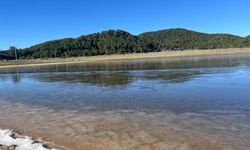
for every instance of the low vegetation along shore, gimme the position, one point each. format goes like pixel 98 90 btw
pixel 167 54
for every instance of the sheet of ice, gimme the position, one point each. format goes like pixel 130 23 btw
pixel 9 138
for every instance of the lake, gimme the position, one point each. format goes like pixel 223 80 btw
pixel 191 103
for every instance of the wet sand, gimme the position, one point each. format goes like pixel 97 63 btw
pixel 167 54
pixel 125 129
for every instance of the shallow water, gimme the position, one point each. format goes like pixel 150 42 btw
pixel 195 103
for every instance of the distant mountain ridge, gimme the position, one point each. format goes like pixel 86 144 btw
pixel 121 42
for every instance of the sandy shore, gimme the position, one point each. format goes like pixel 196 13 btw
pixel 168 54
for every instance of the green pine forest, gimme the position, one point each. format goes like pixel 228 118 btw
pixel 122 42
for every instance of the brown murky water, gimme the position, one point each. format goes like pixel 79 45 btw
pixel 155 104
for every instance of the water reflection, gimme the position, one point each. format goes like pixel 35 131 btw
pixel 141 64
pixel 16 78
pixel 115 78
pixel 93 78
pixel 111 73
pixel 120 78
pixel 176 76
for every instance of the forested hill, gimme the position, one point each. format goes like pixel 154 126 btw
pixel 121 42
pixel 180 39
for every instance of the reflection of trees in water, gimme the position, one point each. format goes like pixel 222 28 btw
pixel 101 79
pixel 180 75
pixel 118 78
pixel 16 78
pixel 176 76
pixel 110 78
pixel 156 64
pixel 141 64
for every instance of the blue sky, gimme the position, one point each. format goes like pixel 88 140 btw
pixel 27 22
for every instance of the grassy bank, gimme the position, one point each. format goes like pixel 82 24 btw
pixel 186 53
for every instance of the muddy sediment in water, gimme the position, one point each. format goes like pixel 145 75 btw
pixel 122 130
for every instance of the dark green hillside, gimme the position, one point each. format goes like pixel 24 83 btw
pixel 181 39
pixel 54 48
pixel 176 39
pixel 6 55
pixel 107 42
pixel 224 41
pixel 121 42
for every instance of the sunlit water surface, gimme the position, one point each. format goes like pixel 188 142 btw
pixel 196 103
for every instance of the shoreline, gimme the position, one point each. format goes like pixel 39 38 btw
pixel 10 140
pixel 164 54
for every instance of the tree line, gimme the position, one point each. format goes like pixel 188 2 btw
pixel 122 42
